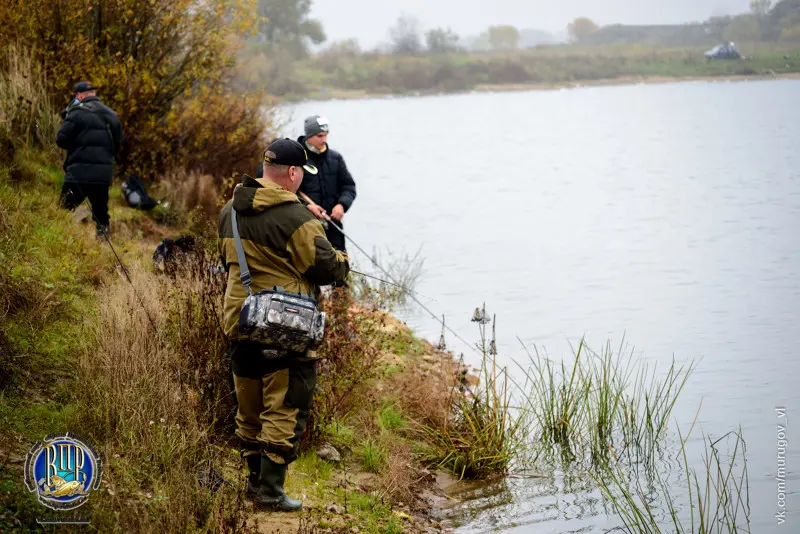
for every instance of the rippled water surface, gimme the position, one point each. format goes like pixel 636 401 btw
pixel 667 214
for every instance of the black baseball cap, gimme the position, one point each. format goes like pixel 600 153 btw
pixel 82 87
pixel 288 152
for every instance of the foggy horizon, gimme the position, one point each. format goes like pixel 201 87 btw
pixel 344 19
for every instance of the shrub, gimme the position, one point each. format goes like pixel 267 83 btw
pixel 190 194
pixel 351 362
pixel 163 66
pixel 481 432
pixel 197 336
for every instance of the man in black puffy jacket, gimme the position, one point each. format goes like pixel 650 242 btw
pixel 91 134
pixel 332 189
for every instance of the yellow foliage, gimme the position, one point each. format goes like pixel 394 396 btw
pixel 162 65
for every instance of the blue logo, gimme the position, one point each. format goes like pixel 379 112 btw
pixel 63 470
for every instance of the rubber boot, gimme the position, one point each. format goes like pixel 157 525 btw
pixel 270 492
pixel 253 472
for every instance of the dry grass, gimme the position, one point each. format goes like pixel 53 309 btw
pixel 27 117
pixel 191 190
pixel 190 200
pixel 424 394
pixel 148 417
pixel 399 479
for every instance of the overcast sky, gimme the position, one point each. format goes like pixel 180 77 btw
pixel 368 20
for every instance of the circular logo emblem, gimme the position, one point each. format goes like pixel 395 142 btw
pixel 63 470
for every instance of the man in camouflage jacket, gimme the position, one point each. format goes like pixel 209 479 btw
pixel 284 245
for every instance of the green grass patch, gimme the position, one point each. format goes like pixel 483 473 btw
pixel 340 434
pixel 34 420
pixel 48 290
pixel 403 343
pixel 373 455
pixel 372 514
pixel 390 418
pixel 310 464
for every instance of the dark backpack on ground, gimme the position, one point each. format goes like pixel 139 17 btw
pixel 171 252
pixel 135 194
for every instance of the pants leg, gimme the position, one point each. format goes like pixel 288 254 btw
pixel 248 424
pixel 273 410
pixel 98 197
pixel 288 396
pixel 72 195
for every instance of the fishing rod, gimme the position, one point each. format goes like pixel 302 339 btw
pixel 104 234
pixel 388 275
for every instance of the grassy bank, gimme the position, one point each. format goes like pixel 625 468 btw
pixel 80 354
pixel 327 76
pixel 132 358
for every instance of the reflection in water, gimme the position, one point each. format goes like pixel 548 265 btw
pixel 565 498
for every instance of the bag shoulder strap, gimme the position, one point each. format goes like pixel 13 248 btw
pixel 244 271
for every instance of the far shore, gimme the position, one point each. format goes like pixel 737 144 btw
pixel 343 94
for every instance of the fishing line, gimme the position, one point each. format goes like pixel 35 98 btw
pixel 392 284
pixel 390 277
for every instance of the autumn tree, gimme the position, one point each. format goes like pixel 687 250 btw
pixel 503 37
pixel 441 41
pixel 580 29
pixel 405 36
pixel 161 64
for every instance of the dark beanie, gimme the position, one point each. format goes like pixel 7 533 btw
pixel 315 124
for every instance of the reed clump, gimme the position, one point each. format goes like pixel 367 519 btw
pixel 601 402
pixel 482 432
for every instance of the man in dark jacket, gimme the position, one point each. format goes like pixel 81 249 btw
pixel 332 190
pixel 91 134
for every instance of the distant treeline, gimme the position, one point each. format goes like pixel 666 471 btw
pixel 331 76
pixel 279 59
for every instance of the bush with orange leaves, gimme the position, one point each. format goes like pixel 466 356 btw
pixel 163 65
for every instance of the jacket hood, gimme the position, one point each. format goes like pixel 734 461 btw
pixel 254 196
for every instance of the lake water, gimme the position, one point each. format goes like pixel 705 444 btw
pixel 664 214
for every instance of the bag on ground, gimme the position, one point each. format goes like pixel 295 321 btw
pixel 135 194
